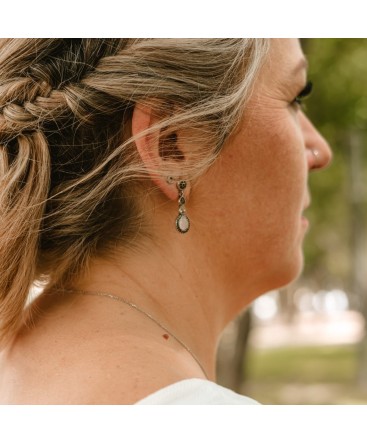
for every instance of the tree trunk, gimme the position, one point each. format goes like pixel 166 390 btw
pixel 232 353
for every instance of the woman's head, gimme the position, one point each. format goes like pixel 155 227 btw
pixel 72 181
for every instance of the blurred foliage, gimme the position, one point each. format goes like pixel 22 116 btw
pixel 303 375
pixel 338 68
pixel 305 364
pixel 338 108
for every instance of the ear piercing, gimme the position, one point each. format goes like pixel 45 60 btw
pixel 170 179
pixel 182 221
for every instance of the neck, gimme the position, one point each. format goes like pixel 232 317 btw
pixel 174 291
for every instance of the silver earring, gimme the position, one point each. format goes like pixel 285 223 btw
pixel 182 221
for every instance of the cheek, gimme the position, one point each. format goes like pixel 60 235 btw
pixel 271 168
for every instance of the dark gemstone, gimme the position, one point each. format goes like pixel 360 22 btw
pixel 182 200
pixel 182 185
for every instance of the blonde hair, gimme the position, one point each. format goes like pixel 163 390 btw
pixel 69 168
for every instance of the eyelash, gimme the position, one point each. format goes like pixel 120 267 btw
pixel 298 101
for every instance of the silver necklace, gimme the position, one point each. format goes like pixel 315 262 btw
pixel 140 310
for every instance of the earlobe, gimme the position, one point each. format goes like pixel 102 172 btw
pixel 155 149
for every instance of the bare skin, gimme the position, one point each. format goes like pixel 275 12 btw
pixel 246 238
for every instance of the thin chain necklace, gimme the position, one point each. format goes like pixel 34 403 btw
pixel 140 310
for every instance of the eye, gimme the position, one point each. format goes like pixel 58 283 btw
pixel 298 101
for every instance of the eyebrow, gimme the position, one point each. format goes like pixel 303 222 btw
pixel 302 64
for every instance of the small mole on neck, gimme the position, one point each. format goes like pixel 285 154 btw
pixel 165 336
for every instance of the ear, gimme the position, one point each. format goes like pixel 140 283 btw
pixel 156 151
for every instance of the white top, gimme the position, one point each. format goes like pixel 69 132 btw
pixel 196 391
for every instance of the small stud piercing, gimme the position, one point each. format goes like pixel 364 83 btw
pixel 170 179
pixel 316 154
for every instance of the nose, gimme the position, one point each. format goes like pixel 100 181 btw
pixel 318 151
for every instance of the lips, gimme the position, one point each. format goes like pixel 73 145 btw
pixel 304 220
pixel 307 203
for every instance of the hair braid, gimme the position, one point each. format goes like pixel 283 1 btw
pixel 36 108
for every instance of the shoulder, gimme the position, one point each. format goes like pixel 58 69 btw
pixel 129 376
pixel 86 370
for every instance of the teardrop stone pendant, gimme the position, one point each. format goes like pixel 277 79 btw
pixel 182 223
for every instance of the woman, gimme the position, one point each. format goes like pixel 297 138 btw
pixel 156 187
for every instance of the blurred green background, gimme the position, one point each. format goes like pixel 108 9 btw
pixel 306 344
